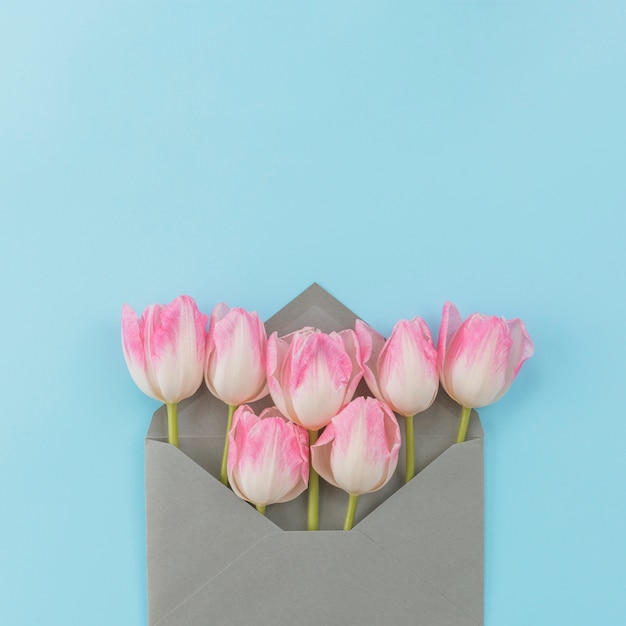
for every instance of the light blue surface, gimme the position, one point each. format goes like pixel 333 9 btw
pixel 400 154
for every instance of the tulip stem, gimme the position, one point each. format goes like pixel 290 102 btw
pixel 260 508
pixel 172 423
pixel 409 447
pixel 465 415
pixel 313 522
pixel 352 501
pixel 224 468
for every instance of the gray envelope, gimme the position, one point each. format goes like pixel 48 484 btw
pixel 415 553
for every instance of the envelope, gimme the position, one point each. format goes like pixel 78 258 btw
pixel 415 553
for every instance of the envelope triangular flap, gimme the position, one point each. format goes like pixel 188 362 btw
pixel 313 307
pixel 194 527
pixel 434 526
pixel 317 578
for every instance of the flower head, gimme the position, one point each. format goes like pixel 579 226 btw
pixel 312 375
pixel 358 450
pixel 164 349
pixel 401 371
pixel 479 358
pixel 268 457
pixel 236 352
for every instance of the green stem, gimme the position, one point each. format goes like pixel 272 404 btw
pixel 409 447
pixel 224 468
pixel 313 521
pixel 352 500
pixel 261 509
pixel 465 415
pixel 172 423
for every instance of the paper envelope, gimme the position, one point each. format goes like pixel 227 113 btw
pixel 415 553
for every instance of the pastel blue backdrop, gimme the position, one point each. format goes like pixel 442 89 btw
pixel 400 154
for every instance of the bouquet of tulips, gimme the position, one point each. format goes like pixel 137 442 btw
pixel 316 426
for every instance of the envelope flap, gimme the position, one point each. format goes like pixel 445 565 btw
pixel 421 526
pixel 313 307
pixel 195 527
pixel 317 578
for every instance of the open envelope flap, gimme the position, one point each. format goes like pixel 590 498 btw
pixel 195 527
pixel 434 526
pixel 306 578
pixel 313 307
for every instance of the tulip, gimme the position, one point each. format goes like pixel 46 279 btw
pixel 479 358
pixel 268 457
pixel 311 376
pixel 236 348
pixel 164 352
pixel 358 450
pixel 235 363
pixel 401 371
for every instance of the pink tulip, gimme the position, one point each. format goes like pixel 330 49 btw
pixel 479 358
pixel 312 375
pixel 358 450
pixel 236 350
pixel 268 457
pixel 164 350
pixel 401 371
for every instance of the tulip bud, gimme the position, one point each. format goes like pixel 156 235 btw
pixel 268 457
pixel 401 371
pixel 164 349
pixel 358 450
pixel 479 358
pixel 236 352
pixel 312 375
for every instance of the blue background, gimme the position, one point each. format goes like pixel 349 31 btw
pixel 400 154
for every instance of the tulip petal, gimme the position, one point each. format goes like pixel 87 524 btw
pixel 523 347
pixel 177 345
pixel 371 343
pixel 219 312
pixel 149 322
pixel 238 427
pixel 521 350
pixel 301 437
pixel 133 348
pixel 260 476
pixel 320 455
pixel 450 322
pixel 351 345
pixel 358 466
pixel 277 352
pixel 394 441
